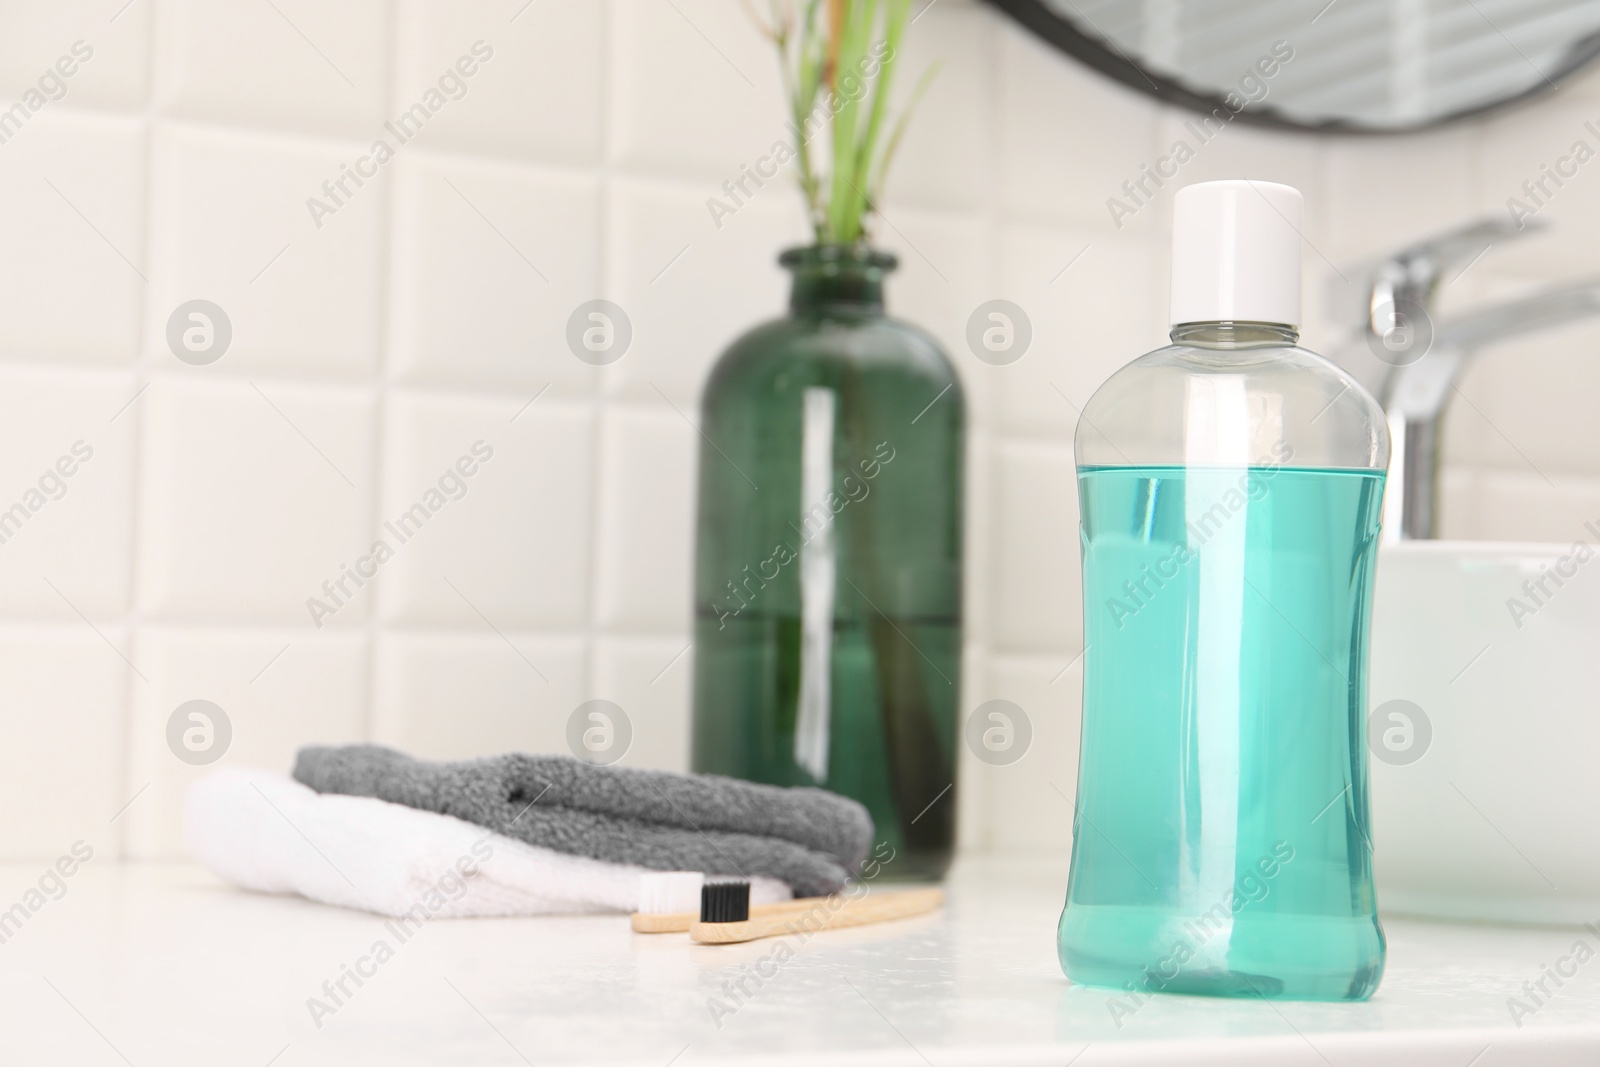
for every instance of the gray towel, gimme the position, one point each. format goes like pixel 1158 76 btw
pixel 809 838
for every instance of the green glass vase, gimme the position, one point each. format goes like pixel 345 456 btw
pixel 828 559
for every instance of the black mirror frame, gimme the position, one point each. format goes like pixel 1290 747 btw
pixel 1105 57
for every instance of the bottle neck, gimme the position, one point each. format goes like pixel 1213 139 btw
pixel 841 278
pixel 1232 335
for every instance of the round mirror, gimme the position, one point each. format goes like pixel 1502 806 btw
pixel 1356 65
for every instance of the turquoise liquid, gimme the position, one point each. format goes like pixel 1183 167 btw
pixel 1222 843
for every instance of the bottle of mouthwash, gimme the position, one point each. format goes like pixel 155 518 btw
pixel 1230 489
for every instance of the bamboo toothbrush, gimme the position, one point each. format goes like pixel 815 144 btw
pixel 726 917
pixel 669 902
pixel 664 897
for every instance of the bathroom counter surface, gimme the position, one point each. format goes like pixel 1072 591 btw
pixel 145 964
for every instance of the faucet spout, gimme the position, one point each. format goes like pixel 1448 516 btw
pixel 1403 291
pixel 1404 288
pixel 1555 306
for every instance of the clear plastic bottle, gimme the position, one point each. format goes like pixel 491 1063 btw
pixel 1230 488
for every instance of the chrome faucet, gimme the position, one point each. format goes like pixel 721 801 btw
pixel 1424 357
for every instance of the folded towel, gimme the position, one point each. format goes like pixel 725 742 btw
pixel 265 832
pixel 809 838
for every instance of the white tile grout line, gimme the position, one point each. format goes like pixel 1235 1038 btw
pixel 142 366
pixel 604 278
pixel 278 632
pixel 980 532
pixel 383 377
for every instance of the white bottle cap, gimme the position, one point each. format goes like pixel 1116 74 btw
pixel 1236 253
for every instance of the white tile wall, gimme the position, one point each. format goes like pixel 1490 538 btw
pixel 74 186
pixel 694 90
pixel 67 458
pixel 251 496
pixel 1031 801
pixel 1065 277
pixel 667 254
pixel 113 60
pixel 539 94
pixel 646 521
pixel 67 738
pixel 280 688
pixel 650 678
pixel 476 690
pixel 1069 138
pixel 373 346
pixel 294 64
pixel 512 541
pixel 229 224
pixel 1033 569
pixel 488 259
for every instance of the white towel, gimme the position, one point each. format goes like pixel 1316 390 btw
pixel 267 832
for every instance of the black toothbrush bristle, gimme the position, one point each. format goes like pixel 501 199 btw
pixel 725 902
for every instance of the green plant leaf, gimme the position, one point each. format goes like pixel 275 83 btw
pixel 893 31
pixel 875 188
pixel 844 216
pixel 823 61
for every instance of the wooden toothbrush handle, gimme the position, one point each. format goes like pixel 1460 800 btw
pixel 825 913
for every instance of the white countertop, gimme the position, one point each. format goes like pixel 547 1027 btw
pixel 163 965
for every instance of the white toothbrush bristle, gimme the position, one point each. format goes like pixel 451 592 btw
pixel 670 892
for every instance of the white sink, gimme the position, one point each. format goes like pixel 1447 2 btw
pixel 1497 814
